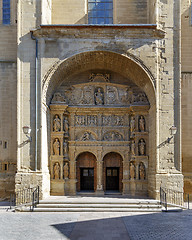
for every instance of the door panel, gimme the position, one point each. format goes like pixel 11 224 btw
pixel 112 178
pixel 87 178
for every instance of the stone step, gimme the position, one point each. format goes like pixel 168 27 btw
pixel 91 209
pixel 96 205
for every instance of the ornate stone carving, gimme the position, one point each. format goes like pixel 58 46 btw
pixel 66 126
pixel 66 170
pixel 88 95
pixel 99 96
pixel 56 147
pixel 111 95
pixel 99 77
pixel 113 136
pixel 87 136
pixel 141 124
pixel 86 120
pixel 65 149
pixel 141 98
pixel 56 171
pixel 132 170
pixel 141 147
pixel 132 124
pixel 133 147
pixel 112 120
pixel 56 124
pixel 58 98
pixel 141 171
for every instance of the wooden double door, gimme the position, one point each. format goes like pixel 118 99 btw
pixel 87 179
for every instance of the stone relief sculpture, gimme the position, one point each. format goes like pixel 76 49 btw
pixel 56 147
pixel 133 147
pixel 132 124
pixel 56 124
pixel 58 98
pixel 142 98
pixel 66 126
pixel 112 95
pixel 112 120
pixel 87 97
pixel 132 170
pixel 99 77
pixel 141 147
pixel 86 120
pixel 66 170
pixel 141 171
pixel 113 136
pixel 87 136
pixel 56 171
pixel 99 96
pixel 65 149
pixel 141 124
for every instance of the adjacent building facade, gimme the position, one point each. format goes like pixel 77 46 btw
pixel 100 83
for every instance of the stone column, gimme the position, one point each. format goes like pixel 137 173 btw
pixel 99 190
pixel 125 180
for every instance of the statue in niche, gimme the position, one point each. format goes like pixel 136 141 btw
pixel 111 95
pixel 99 97
pixel 142 124
pixel 56 171
pixel 66 170
pixel 57 124
pixel 141 147
pixel 56 147
pixel 57 97
pixel 66 126
pixel 133 147
pixel 132 124
pixel 141 171
pixel 65 149
pixel 132 171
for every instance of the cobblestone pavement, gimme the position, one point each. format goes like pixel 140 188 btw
pixel 92 226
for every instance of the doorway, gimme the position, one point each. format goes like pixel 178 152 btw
pixel 112 178
pixel 87 179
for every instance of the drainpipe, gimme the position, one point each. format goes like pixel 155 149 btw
pixel 36 98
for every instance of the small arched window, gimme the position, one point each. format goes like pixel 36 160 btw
pixel 6 12
pixel 100 11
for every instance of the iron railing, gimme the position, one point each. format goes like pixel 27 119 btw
pixel 27 196
pixel 173 198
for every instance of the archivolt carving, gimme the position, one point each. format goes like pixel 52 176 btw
pixel 113 136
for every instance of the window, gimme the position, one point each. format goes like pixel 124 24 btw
pixel 100 11
pixel 6 12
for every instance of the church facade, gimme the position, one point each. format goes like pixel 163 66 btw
pixel 94 95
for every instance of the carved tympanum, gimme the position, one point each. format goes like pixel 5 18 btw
pixel 113 136
pixel 58 98
pixel 56 171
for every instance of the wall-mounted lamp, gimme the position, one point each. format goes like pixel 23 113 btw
pixel 27 131
pixel 172 131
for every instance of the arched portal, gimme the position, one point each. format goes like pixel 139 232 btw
pixel 106 102
pixel 113 172
pixel 86 172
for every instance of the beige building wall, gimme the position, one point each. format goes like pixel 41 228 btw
pixel 124 12
pixel 8 106
pixel 186 60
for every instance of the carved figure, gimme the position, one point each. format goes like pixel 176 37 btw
pixel 141 147
pixel 56 171
pixel 111 95
pixel 132 171
pixel 86 136
pixel 56 147
pixel 141 124
pixel 113 136
pixel 141 171
pixel 56 124
pixel 58 98
pixel 65 149
pixel 99 97
pixel 66 126
pixel 130 95
pixel 66 170
pixel 132 124
pixel 133 147
pixel 142 97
